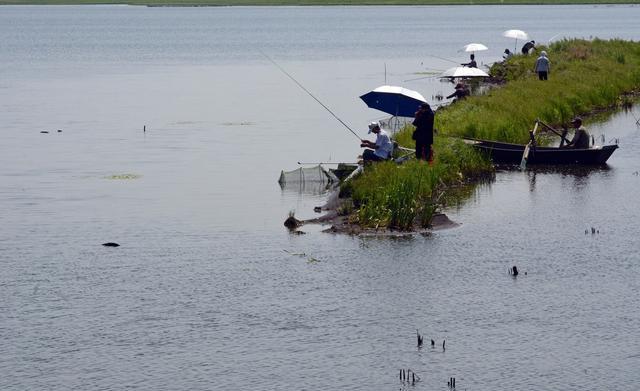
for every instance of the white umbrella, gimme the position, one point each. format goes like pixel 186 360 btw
pixel 474 47
pixel 517 34
pixel 464 72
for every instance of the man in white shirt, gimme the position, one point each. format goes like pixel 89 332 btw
pixel 381 149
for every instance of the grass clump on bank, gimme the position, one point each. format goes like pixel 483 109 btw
pixel 586 76
pixel 400 196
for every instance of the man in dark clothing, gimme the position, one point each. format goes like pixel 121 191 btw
pixel 459 93
pixel 527 47
pixel 472 63
pixel 580 138
pixel 423 135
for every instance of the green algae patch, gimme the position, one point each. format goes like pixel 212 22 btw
pixel 123 177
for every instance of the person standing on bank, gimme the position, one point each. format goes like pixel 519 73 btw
pixel 423 135
pixel 528 47
pixel 381 149
pixel 580 138
pixel 543 66
pixel 472 63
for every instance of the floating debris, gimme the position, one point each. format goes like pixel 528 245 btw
pixel 44 131
pixel 513 271
pixel 111 244
pixel 296 254
pixel 420 339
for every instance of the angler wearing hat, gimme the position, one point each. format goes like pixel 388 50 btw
pixel 543 66
pixel 381 149
pixel 580 138
pixel 423 135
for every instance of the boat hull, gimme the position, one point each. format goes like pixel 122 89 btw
pixel 505 153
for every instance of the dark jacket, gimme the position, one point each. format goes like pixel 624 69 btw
pixel 424 126
pixel 526 48
pixel 580 139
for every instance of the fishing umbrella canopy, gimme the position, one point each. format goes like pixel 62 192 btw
pixel 474 47
pixel 397 101
pixel 464 72
pixel 517 34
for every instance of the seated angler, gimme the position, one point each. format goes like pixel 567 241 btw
pixel 461 91
pixel 381 149
pixel 580 138
pixel 472 63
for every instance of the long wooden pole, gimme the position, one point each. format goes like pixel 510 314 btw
pixel 525 155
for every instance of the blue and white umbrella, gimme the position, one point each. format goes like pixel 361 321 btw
pixel 397 101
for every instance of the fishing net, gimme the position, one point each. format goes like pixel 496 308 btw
pixel 394 124
pixel 317 174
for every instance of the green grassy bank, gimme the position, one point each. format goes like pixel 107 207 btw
pixel 586 76
pixel 187 3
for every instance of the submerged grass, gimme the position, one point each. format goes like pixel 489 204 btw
pixel 586 76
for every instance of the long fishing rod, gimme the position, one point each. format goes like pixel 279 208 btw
pixel 421 78
pixel 314 163
pixel 310 94
pixel 442 58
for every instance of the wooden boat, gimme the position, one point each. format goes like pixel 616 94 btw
pixel 505 153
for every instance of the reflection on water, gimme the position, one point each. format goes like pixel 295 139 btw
pixel 579 174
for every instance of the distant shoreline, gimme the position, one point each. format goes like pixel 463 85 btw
pixel 231 3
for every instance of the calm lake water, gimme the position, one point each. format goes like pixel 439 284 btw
pixel 208 290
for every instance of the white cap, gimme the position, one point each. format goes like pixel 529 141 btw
pixel 543 53
pixel 373 125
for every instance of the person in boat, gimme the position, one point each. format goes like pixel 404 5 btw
pixel 379 150
pixel 543 66
pixel 507 54
pixel 459 93
pixel 472 63
pixel 423 135
pixel 528 47
pixel 580 138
